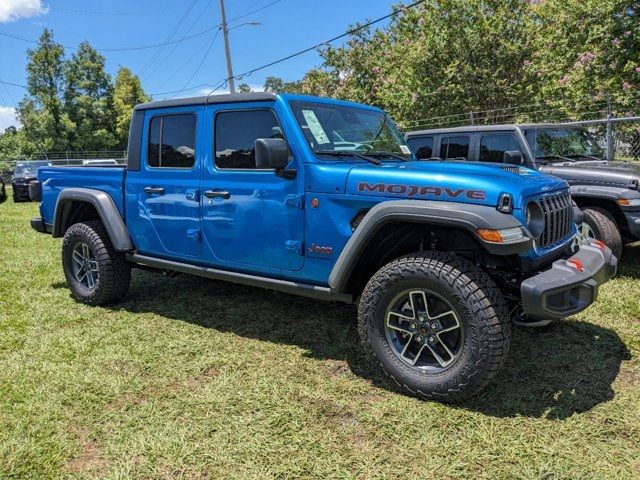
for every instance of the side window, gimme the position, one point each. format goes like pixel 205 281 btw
pixel 455 147
pixel 422 147
pixel 492 147
pixel 172 141
pixel 236 134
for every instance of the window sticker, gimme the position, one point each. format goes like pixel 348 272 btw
pixel 315 127
pixel 405 149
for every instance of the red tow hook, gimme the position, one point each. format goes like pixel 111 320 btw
pixel 599 244
pixel 577 264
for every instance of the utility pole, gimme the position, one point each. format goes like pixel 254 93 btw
pixel 225 32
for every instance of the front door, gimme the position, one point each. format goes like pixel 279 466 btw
pixel 250 217
pixel 163 204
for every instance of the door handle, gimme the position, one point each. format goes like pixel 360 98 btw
pixel 217 194
pixel 150 190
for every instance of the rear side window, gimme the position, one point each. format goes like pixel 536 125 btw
pixel 455 147
pixel 422 147
pixel 172 141
pixel 236 134
pixel 492 147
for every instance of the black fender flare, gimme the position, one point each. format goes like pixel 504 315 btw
pixel 467 217
pixel 105 207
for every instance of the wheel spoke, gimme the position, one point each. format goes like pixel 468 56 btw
pixel 437 317
pixel 77 257
pixel 82 277
pixel 397 326
pixel 443 363
pixel 90 280
pixel 85 251
pixel 93 266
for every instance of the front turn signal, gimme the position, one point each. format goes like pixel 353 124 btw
pixel 504 236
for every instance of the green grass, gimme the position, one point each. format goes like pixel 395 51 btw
pixel 190 378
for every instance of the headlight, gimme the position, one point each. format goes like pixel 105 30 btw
pixel 504 236
pixel 629 202
pixel 534 218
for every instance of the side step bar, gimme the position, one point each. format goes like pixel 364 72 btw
pixel 302 289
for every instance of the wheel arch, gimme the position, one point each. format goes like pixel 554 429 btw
pixel 79 204
pixel 395 228
pixel 607 203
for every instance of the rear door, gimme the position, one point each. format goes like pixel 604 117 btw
pixel 163 201
pixel 492 146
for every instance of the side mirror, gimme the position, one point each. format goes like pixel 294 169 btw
pixel 513 157
pixel 271 153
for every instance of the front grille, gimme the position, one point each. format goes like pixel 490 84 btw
pixel 558 218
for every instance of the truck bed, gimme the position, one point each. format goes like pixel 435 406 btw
pixel 108 178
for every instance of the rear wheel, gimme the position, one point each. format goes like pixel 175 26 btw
pixel 95 272
pixel 600 224
pixel 436 325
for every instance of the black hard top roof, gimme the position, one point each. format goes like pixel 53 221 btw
pixel 210 100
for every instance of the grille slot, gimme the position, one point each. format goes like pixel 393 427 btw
pixel 558 217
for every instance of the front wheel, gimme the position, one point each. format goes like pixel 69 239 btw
pixel 600 224
pixel 435 324
pixel 95 272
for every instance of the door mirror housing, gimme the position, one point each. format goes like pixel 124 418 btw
pixel 271 153
pixel 513 157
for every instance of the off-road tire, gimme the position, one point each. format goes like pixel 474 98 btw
pixel 114 274
pixel 604 228
pixel 475 298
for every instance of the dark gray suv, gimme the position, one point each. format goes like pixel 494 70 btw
pixel 607 192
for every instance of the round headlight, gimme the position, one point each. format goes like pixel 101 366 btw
pixel 534 217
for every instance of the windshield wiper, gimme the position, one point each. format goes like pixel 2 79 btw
pixel 558 157
pixel 591 157
pixel 349 153
pixel 389 154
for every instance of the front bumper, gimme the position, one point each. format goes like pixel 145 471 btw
pixel 570 285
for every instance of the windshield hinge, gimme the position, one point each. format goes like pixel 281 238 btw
pixel 294 201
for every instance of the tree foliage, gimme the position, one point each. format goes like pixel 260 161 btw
pixel 72 103
pixel 449 56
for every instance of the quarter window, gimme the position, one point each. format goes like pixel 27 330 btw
pixel 492 147
pixel 422 147
pixel 236 134
pixel 172 141
pixel 455 147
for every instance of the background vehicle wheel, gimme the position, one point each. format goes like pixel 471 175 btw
pixel 603 227
pixel 435 324
pixel 95 272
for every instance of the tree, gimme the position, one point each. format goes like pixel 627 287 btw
pixel 244 88
pixel 15 145
pixel 88 99
pixel 46 125
pixel 128 93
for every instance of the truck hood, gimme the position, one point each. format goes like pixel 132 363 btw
pixel 619 174
pixel 466 182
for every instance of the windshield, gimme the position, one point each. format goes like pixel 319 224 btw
pixel 26 170
pixel 332 128
pixel 570 142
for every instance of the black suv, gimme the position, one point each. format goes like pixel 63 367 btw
pixel 24 173
pixel 607 192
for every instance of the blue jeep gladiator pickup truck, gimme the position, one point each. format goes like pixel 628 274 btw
pixel 320 197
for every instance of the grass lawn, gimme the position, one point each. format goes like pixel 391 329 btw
pixel 190 378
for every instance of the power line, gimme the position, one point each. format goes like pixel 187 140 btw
pixel 120 49
pixel 105 12
pixel 253 11
pixel 326 42
pixel 4 85
pixel 201 62
pixel 13 84
pixel 155 55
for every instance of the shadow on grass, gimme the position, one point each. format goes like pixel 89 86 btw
pixel 553 372
pixel 630 264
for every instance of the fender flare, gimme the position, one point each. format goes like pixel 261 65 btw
pixel 601 192
pixel 449 214
pixel 105 207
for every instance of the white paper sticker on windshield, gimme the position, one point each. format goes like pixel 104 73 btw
pixel 315 127
pixel 405 149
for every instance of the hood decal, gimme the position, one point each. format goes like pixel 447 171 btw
pixel 420 191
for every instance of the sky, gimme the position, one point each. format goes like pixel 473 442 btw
pixel 285 26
